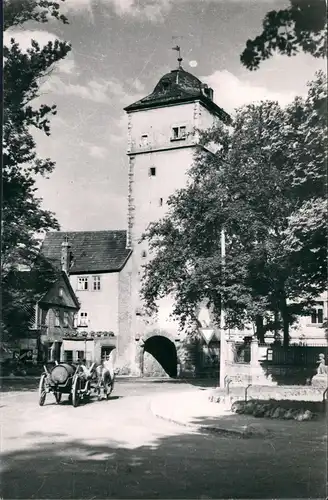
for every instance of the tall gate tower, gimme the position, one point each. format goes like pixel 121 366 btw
pixel 162 136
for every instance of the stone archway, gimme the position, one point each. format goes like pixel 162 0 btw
pixel 159 356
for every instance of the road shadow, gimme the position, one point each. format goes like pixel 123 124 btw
pixel 185 465
pixel 291 430
pixel 199 382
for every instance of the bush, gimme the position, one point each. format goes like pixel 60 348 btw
pixel 271 409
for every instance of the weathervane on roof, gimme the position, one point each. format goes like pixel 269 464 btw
pixel 177 48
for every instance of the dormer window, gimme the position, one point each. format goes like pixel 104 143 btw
pixel 178 133
pixel 61 292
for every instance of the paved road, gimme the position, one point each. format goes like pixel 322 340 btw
pixel 118 449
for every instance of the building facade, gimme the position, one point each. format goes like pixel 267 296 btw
pixel 99 270
pixel 105 267
pixel 163 132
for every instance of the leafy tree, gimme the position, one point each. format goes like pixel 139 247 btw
pixel 23 218
pixel 302 26
pixel 255 185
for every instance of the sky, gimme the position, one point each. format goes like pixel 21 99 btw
pixel 120 49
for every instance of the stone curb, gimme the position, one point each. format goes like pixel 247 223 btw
pixel 214 429
pixel 117 377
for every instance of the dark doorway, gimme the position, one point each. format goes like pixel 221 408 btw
pixel 105 352
pixel 164 352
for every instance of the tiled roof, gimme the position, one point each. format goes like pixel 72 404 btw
pixel 176 87
pixel 92 251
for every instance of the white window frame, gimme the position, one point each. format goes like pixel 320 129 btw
pixel 83 283
pixel 319 306
pixel 177 134
pixel 84 319
pixel 57 317
pixel 66 319
pixel 75 320
pixel 96 283
pixel 144 140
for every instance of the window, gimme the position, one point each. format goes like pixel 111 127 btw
pixel 144 254
pixel 68 356
pixel 178 133
pixel 57 317
pixel 80 355
pixel 144 140
pixel 152 171
pixel 82 283
pixel 75 320
pixel 83 319
pixel 317 313
pixel 161 202
pixel 96 282
pixel 49 353
pixel 61 292
pixel 66 319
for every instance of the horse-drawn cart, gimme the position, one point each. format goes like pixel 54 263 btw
pixel 75 381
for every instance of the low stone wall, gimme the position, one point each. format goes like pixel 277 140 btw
pixel 295 393
pixel 242 374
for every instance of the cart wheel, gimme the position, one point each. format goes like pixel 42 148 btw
pixel 58 396
pixel 42 390
pixel 76 392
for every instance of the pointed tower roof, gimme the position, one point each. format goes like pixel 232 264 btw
pixel 177 87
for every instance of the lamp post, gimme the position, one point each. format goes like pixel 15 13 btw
pixel 222 318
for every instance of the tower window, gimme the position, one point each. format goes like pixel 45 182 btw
pixel 161 202
pixel 144 140
pixel 152 171
pixel 144 254
pixel 178 133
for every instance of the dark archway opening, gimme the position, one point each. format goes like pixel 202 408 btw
pixel 165 353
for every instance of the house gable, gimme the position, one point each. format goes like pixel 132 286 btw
pixel 61 294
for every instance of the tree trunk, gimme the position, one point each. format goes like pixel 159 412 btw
pixel 285 321
pixel 260 331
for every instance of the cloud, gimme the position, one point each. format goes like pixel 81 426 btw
pixel 96 151
pixel 230 92
pixel 93 91
pixel 152 10
pixel 24 37
pixel 99 91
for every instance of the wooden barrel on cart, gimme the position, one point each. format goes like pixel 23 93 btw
pixel 61 373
